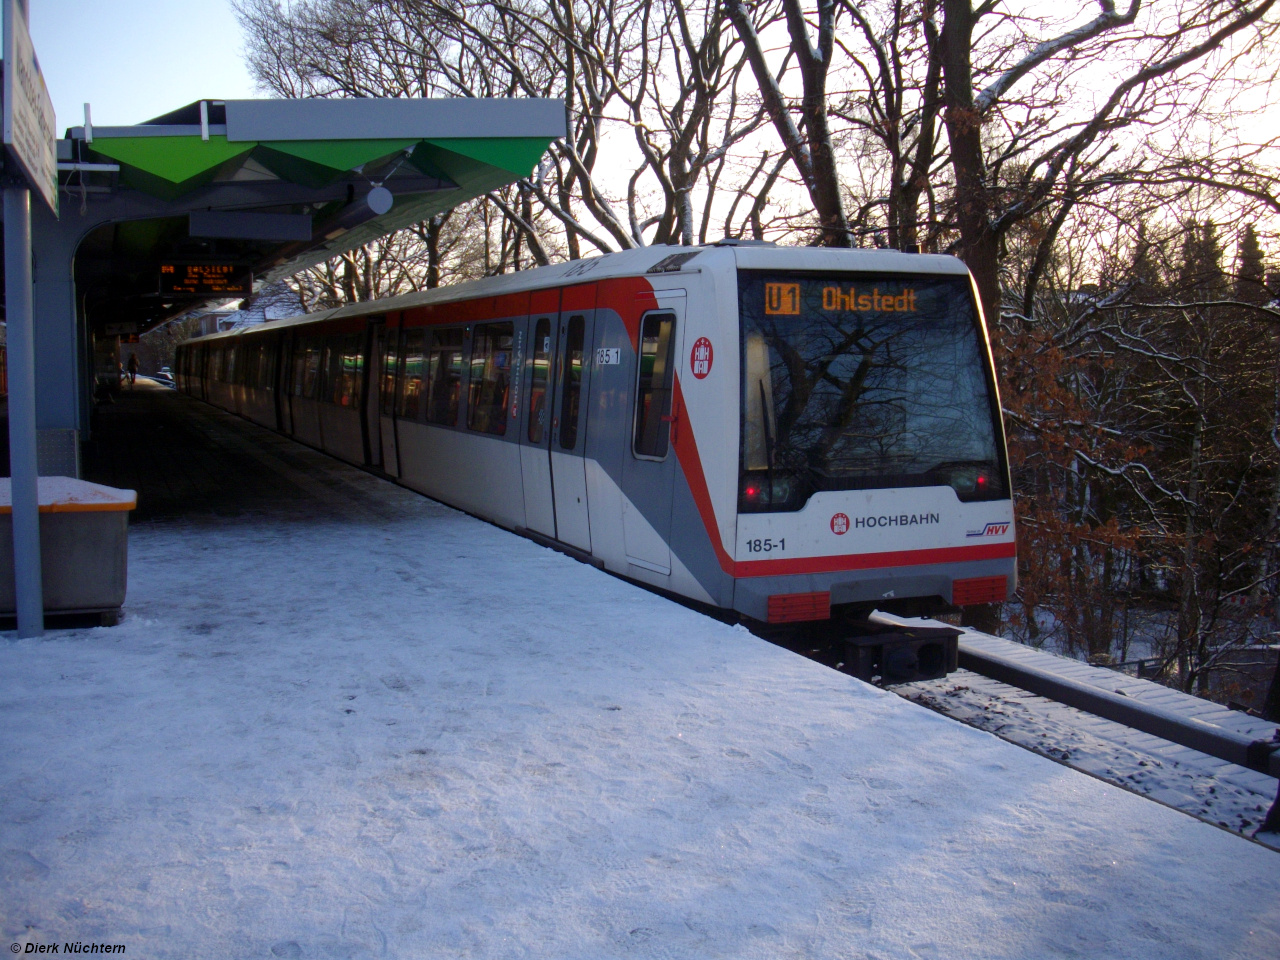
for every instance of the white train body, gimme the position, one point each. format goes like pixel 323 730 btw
pixel 775 431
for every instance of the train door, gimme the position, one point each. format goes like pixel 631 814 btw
pixel 535 455
pixel 553 464
pixel 370 392
pixel 649 467
pixel 569 428
pixel 391 366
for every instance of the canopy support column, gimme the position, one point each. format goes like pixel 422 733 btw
pixel 21 359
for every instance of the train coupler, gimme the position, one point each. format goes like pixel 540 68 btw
pixel 888 654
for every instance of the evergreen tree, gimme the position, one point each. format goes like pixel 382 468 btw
pixel 1250 268
pixel 1144 272
pixel 1202 276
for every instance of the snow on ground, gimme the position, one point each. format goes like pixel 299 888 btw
pixel 1222 793
pixel 389 729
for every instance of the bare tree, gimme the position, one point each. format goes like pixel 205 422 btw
pixel 807 143
pixel 664 71
pixel 1017 83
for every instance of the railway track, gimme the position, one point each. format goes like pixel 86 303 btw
pixel 1227 795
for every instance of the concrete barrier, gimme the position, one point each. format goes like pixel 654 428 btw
pixel 84 538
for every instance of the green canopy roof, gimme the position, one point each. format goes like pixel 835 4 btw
pixel 170 166
pixel 275 186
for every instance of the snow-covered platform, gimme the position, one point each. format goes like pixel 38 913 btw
pixel 344 721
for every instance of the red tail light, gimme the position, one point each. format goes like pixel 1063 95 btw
pixel 794 607
pixel 979 590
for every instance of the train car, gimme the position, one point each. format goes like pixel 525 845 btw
pixel 785 433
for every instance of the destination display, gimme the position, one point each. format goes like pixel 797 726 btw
pixel 785 299
pixel 859 382
pixel 205 280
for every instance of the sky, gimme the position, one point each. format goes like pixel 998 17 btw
pixel 137 59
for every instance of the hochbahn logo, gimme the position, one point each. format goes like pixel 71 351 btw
pixel 841 524
pixel 990 530
pixel 700 358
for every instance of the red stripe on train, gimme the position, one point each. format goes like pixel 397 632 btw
pixel 870 561
pixel 687 453
pixel 629 297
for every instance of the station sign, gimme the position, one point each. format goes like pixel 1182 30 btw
pixel 30 130
pixel 205 280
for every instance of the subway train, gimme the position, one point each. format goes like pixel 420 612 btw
pixel 785 434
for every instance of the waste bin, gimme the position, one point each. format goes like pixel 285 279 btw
pixel 84 540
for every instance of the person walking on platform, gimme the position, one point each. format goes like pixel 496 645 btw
pixel 133 369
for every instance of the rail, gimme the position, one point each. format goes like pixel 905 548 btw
pixel 1262 755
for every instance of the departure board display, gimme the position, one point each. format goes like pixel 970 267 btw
pixel 205 280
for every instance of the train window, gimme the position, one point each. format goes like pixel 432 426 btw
pixel 857 382
pixel 443 376
pixel 571 380
pixel 653 389
pixel 314 374
pixel 351 366
pixel 387 394
pixel 327 376
pixel 491 346
pixel 252 359
pixel 333 371
pixel 538 380
pixel 267 367
pixel 341 368
pixel 307 371
pixel 411 377
pixel 285 350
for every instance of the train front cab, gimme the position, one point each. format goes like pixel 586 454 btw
pixel 872 470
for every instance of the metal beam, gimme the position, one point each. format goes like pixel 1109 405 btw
pixel 243 225
pixel 1260 755
pixel 368 119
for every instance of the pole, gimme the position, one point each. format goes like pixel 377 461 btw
pixel 22 410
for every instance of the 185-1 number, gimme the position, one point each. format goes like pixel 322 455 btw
pixel 766 546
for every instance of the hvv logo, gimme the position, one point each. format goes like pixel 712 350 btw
pixel 990 530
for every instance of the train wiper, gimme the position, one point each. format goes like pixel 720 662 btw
pixel 768 436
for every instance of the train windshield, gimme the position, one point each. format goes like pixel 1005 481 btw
pixel 859 382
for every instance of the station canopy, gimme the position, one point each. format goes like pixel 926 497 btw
pixel 265 188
